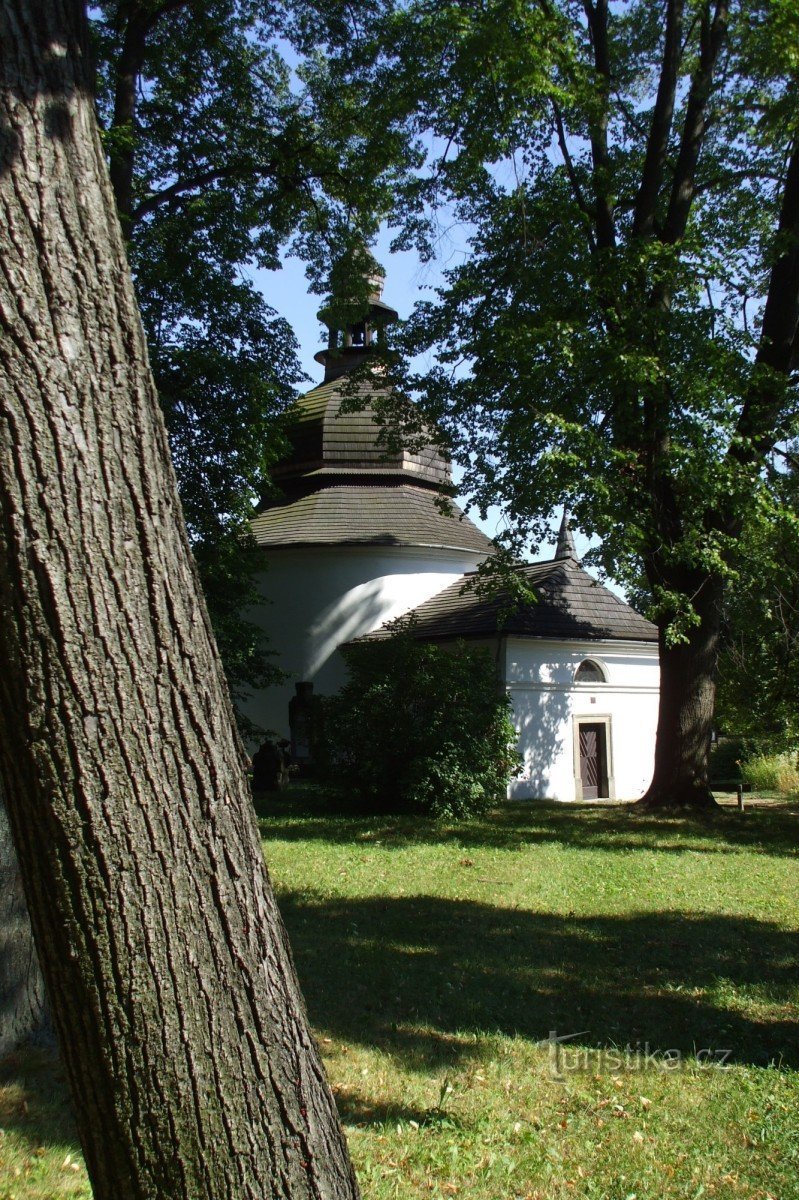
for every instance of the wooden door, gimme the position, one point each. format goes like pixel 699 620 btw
pixel 593 774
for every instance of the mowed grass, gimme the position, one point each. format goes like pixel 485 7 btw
pixel 437 961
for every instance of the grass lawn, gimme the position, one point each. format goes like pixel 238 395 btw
pixel 437 960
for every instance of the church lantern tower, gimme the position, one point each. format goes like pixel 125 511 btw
pixel 356 324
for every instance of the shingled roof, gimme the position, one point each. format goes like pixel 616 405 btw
pixel 339 485
pixel 571 606
pixel 328 442
pixel 352 514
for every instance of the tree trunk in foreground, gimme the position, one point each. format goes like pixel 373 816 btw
pixel 24 1012
pixel 175 1001
pixel 685 713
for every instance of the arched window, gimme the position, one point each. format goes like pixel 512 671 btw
pixel 589 672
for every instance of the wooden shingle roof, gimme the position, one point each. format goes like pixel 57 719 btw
pixel 352 514
pixel 571 606
pixel 341 488
pixel 326 441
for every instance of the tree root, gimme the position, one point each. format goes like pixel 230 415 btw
pixel 681 798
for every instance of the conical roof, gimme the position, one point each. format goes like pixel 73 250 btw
pixel 368 515
pixel 341 487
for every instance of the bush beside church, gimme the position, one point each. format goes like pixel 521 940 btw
pixel 420 727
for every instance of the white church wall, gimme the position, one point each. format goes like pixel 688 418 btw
pixel 316 598
pixel 547 706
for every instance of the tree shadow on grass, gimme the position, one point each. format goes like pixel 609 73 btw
pixel 416 976
pixel 309 815
pixel 34 1100
pixel 355 1109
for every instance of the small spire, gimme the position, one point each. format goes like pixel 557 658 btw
pixel 355 312
pixel 566 547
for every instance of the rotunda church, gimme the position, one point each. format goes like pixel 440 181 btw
pixel 357 537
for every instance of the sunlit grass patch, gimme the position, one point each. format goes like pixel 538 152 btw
pixel 439 962
pixel 437 959
pixel 39 1155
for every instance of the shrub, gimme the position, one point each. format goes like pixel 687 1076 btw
pixel 773 773
pixel 421 727
pixel 725 760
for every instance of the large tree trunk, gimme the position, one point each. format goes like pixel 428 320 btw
pixel 177 1009
pixel 24 1012
pixel 687 704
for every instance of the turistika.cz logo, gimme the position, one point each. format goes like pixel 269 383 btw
pixel 565 1059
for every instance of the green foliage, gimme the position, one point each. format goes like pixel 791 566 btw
pixel 758 695
pixel 773 773
pixel 605 341
pixel 725 760
pixel 421 727
pixel 621 332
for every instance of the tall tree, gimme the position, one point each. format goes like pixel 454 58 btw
pixel 220 154
pixel 622 335
pixel 175 1000
pixel 193 103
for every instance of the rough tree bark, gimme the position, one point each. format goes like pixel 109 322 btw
pixel 174 997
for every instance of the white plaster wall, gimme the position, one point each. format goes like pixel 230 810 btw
pixel 540 675
pixel 318 597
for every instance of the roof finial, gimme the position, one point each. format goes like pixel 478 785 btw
pixel 566 547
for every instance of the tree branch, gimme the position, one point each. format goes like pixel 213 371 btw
pixel 660 130
pixel 778 351
pixel 140 19
pixel 242 168
pixel 711 40
pixel 568 163
pixel 597 15
pixel 191 184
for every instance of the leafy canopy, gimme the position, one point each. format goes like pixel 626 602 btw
pixel 759 662
pixel 621 335
pixel 231 137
